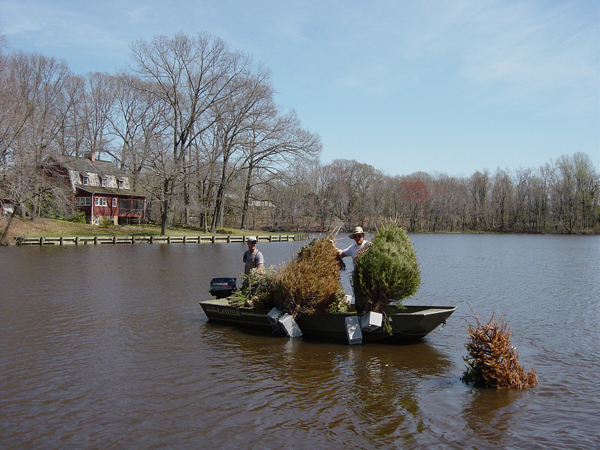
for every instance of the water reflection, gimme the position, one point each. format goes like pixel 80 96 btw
pixel 487 414
pixel 368 388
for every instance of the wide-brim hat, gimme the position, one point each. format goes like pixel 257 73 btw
pixel 356 232
pixel 251 239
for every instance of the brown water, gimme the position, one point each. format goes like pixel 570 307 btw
pixel 107 347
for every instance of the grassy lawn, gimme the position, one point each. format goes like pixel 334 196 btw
pixel 57 228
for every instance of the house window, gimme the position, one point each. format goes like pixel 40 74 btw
pixel 85 180
pixel 103 182
pixel 100 201
pixel 121 184
pixel 114 202
pixel 82 201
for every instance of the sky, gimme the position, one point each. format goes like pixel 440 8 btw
pixel 435 86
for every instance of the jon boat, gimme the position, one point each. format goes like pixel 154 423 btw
pixel 409 323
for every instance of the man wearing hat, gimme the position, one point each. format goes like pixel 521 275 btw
pixel 359 242
pixel 253 259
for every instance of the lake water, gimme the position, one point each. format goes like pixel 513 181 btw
pixel 107 347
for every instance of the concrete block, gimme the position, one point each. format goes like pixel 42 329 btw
pixel 274 316
pixel 353 330
pixel 290 326
pixel 371 321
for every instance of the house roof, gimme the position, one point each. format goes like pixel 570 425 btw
pixel 84 166
pixel 79 164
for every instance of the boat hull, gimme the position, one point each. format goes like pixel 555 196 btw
pixel 407 324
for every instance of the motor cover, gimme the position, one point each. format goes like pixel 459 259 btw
pixel 222 287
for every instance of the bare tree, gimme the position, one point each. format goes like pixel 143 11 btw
pixel 232 128
pixel 501 200
pixel 189 76
pixel 479 184
pixel 38 85
pixel 33 87
pixel 278 143
pixel 137 123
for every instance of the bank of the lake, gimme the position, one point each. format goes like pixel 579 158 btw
pixel 61 232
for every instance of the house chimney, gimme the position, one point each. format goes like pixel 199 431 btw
pixel 91 156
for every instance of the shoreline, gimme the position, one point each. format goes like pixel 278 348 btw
pixel 131 240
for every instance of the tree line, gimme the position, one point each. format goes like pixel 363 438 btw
pixel 196 127
pixel 561 196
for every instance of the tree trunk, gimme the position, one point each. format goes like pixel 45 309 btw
pixel 167 207
pixel 246 205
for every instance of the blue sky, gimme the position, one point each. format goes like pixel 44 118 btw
pixel 405 86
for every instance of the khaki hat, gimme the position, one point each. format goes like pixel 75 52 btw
pixel 251 239
pixel 357 231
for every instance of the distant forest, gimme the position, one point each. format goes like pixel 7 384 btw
pixel 559 197
pixel 197 128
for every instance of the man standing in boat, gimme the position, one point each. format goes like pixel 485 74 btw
pixel 253 259
pixel 359 242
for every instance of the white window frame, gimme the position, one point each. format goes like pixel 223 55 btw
pixel 114 202
pixel 83 201
pixel 100 201
pixel 85 180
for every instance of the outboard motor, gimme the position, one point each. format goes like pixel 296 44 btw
pixel 222 287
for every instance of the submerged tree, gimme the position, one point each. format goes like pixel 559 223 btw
pixel 493 360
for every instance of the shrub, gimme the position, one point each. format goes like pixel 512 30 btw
pixel 386 270
pixel 493 361
pixel 106 223
pixel 77 217
pixel 257 290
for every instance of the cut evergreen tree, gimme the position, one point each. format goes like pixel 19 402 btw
pixel 386 270
pixel 311 282
pixel 308 284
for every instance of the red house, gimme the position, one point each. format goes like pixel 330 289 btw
pixel 101 190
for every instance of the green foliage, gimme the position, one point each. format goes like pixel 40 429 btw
pixel 386 271
pixel 257 290
pixel 106 223
pixel 77 217
pixel 340 305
